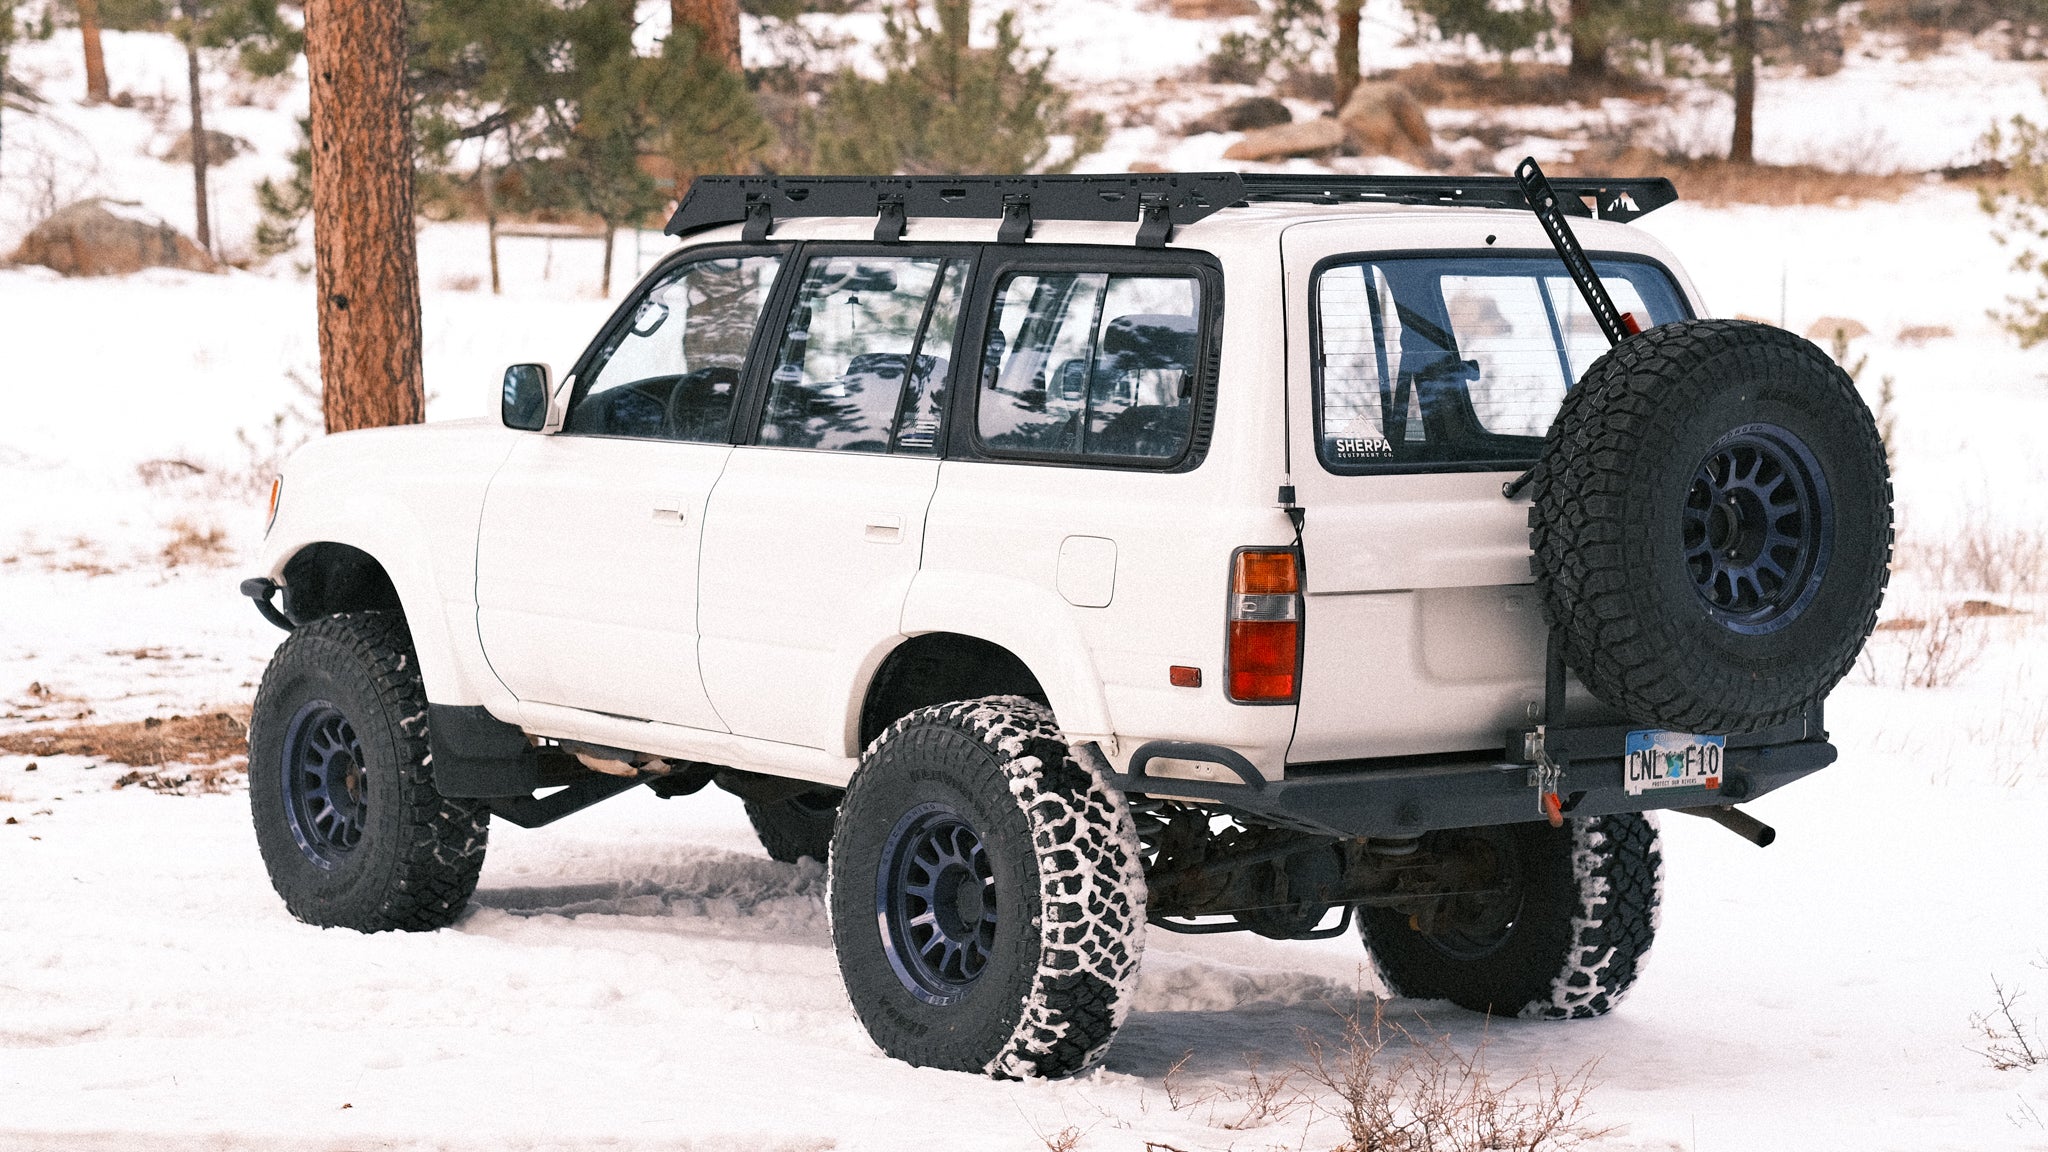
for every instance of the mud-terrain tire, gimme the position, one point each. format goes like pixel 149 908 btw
pixel 341 784
pixel 1564 942
pixel 987 898
pixel 796 826
pixel 1712 526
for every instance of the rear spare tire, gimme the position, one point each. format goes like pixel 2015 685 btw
pixel 1712 526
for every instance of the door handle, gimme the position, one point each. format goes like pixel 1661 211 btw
pixel 884 530
pixel 671 511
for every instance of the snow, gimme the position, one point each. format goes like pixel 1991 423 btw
pixel 641 975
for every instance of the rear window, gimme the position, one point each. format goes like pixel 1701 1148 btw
pixel 1459 363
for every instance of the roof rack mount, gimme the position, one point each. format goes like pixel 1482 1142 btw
pixel 1158 202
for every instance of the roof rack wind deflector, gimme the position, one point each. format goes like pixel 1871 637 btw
pixel 1159 203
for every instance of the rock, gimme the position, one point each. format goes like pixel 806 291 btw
pixel 1307 138
pixel 1917 334
pixel 1212 9
pixel 1243 116
pixel 220 148
pixel 109 238
pixel 1382 119
pixel 1825 329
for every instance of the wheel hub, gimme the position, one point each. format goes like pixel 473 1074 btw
pixel 326 789
pixel 935 898
pixel 1757 528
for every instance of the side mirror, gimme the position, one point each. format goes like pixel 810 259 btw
pixel 524 404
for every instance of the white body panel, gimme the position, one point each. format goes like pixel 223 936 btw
pixel 731 605
pixel 587 574
pixel 807 559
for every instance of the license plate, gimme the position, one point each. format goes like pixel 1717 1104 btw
pixel 1655 759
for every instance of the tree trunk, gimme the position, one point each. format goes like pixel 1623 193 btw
pixel 489 179
pixel 95 61
pixel 1742 148
pixel 611 231
pixel 366 263
pixel 1347 48
pixel 1588 42
pixel 204 232
pixel 717 24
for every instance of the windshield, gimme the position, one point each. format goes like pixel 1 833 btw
pixel 1459 363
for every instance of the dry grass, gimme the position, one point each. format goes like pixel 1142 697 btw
pixel 1932 650
pixel 1395 1091
pixel 192 544
pixel 1392 1088
pixel 1475 85
pixel 1717 183
pixel 209 741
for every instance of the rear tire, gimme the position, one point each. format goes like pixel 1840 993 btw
pixel 797 826
pixel 341 783
pixel 987 899
pixel 1564 941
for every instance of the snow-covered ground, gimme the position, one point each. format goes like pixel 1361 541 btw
pixel 641 975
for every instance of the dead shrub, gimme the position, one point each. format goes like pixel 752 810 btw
pixel 166 471
pixel 191 544
pixel 1933 651
pixel 2007 1041
pixel 1395 1091
pixel 218 778
pixel 209 740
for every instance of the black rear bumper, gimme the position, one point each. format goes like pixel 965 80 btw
pixel 1405 796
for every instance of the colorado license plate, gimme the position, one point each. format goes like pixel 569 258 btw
pixel 1655 759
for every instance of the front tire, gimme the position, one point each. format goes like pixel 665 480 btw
pixel 987 899
pixel 341 784
pixel 1562 935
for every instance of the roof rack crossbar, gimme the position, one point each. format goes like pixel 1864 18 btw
pixel 1159 203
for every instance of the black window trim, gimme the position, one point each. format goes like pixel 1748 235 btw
pixel 745 430
pixel 963 428
pixel 1315 346
pixel 584 370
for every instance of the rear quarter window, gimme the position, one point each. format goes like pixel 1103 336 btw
pixel 1459 362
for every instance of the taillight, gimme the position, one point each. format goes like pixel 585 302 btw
pixel 1265 626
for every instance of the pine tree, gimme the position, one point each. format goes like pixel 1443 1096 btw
pixel 267 46
pixel 366 265
pixel 946 107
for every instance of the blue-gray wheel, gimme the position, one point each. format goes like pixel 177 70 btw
pixel 987 894
pixel 1712 526
pixel 341 785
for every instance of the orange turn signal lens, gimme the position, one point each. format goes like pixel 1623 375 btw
pixel 1266 574
pixel 1265 627
pixel 270 517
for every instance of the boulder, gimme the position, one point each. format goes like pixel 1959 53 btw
pixel 1307 138
pixel 1382 119
pixel 1826 328
pixel 220 148
pixel 109 238
pixel 1243 116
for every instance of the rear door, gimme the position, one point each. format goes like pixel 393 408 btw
pixel 1431 378
pixel 816 527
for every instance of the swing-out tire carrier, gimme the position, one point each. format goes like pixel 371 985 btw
pixel 1404 796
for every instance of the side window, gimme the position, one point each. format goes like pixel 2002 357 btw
pixel 1459 361
pixel 1091 364
pixel 862 364
pixel 672 372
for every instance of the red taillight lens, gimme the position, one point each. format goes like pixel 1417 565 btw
pixel 1265 627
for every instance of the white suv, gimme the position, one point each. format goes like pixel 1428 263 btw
pixel 1064 555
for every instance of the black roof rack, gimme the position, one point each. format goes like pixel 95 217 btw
pixel 1157 202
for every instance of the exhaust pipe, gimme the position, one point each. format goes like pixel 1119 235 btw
pixel 1741 823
